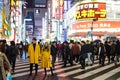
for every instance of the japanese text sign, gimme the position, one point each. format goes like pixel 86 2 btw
pixel 90 10
pixel 96 25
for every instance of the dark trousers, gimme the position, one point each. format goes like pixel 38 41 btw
pixel 82 62
pixel 67 58
pixel 21 53
pixel 76 57
pixel 1 76
pixel 108 56
pixel 53 60
pixel 59 54
pixel 50 70
pixel 12 62
pixel 31 68
pixel 63 56
pixel 101 59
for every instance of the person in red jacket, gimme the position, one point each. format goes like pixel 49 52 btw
pixel 76 51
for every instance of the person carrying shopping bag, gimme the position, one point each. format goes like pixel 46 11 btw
pixel 5 66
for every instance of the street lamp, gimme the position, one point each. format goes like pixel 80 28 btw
pixel 94 19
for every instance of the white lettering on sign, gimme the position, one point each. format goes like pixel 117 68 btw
pixel 95 5
pixel 109 25
pixel 90 5
pixel 89 25
pixel 81 7
pixel 95 25
pixel 106 25
pixel 101 24
pixel 87 6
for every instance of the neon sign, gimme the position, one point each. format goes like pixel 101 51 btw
pixel 90 10
pixel 96 25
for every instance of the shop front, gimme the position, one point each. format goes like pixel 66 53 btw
pixel 92 20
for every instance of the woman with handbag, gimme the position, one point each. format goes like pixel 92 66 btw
pixel 4 63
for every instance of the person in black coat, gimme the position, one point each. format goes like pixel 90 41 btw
pixel 107 47
pixel 83 54
pixel 13 54
pixel 66 53
pixel 54 50
pixel 21 49
pixel 101 54
pixel 89 51
pixel 118 50
pixel 7 48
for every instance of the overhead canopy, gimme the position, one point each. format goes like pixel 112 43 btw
pixel 77 34
pixel 82 34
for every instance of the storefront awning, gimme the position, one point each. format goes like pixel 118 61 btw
pixel 82 34
pixel 77 35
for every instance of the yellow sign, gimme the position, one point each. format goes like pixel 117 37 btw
pixel 90 11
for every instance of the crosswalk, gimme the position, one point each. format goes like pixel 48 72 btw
pixel 95 72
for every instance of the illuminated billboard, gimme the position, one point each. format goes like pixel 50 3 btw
pixel 29 29
pixel 57 9
pixel 1 5
pixel 96 25
pixel 90 10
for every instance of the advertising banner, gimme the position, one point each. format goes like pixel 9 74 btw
pixel 88 11
pixel 96 25
pixel 29 29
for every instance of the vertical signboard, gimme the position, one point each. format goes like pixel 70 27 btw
pixel 1 4
pixel 58 9
pixel 30 24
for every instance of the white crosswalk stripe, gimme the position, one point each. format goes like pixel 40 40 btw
pixel 106 75
pixel 94 72
pixel 118 79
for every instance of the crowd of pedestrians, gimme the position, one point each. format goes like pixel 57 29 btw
pixel 8 55
pixel 45 53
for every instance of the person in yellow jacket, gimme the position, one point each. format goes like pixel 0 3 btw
pixel 45 58
pixel 33 55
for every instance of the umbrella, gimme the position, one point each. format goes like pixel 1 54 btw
pixel 97 41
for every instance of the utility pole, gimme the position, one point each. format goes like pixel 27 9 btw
pixel 94 19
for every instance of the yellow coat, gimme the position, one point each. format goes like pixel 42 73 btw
pixel 34 55
pixel 45 59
